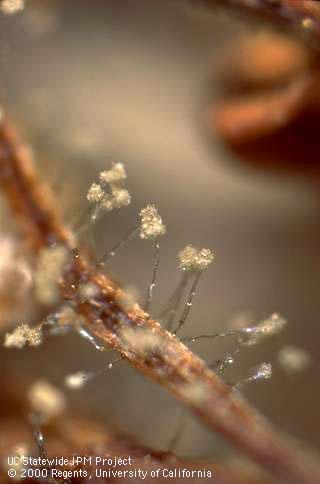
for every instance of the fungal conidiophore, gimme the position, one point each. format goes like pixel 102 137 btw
pixel 152 228
pixel 167 316
pixel 195 261
pixel 76 381
pixel 108 195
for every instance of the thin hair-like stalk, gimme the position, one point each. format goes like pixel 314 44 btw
pixel 156 261
pixel 188 305
pixel 192 339
pixel 172 305
pixel 112 252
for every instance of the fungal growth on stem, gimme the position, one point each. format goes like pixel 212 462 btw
pixel 195 261
pixel 250 335
pixel 152 228
pixel 98 311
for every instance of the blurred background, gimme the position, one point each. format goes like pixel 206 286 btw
pixel 93 81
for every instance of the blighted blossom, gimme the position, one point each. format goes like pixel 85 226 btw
pixel 151 225
pixel 23 335
pixel 46 400
pixel 193 259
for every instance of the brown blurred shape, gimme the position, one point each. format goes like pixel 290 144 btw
pixel 269 111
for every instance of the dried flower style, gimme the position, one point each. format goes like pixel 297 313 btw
pixel 22 336
pixel 293 359
pixel 51 264
pixel 151 226
pixel 10 7
pixel 192 259
pixel 46 400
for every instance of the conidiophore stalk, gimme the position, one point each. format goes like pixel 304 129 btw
pixel 156 260
pixel 188 305
pixel 171 308
pixel 112 252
